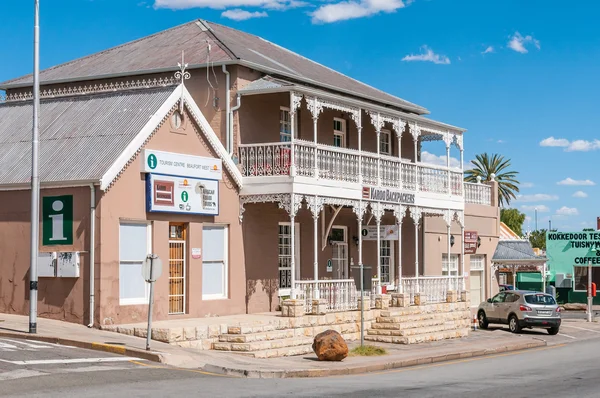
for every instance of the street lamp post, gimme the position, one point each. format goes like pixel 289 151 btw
pixel 35 181
pixel 589 289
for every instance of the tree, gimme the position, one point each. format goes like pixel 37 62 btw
pixel 513 219
pixel 589 230
pixel 538 239
pixel 485 166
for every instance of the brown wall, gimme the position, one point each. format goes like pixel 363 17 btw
pixel 58 298
pixel 126 201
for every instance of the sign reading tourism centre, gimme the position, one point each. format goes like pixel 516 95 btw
pixel 178 164
pixel 57 220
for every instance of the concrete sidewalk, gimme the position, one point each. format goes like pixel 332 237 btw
pixel 477 344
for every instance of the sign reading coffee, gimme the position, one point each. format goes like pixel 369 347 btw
pixel 470 242
pixel 387 195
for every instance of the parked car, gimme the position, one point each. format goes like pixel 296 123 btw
pixel 506 287
pixel 521 309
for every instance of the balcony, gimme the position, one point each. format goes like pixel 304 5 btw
pixel 347 165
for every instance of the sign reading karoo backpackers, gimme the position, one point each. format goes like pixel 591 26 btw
pixel 387 195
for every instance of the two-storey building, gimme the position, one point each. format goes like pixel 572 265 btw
pixel 255 174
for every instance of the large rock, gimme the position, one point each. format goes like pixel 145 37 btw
pixel 330 346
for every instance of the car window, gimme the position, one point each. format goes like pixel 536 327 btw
pixel 511 298
pixel 542 299
pixel 499 298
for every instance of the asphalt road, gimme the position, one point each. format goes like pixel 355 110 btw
pixel 561 370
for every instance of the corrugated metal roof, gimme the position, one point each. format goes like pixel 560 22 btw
pixel 80 137
pixel 515 250
pixel 161 50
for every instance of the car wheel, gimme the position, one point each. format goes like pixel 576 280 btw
pixel 513 324
pixel 483 322
pixel 553 331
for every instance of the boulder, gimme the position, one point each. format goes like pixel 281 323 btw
pixel 330 346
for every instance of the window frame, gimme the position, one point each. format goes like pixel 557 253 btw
pixel 342 133
pixel 287 291
pixel 388 133
pixel 281 122
pixel 225 295
pixel 447 271
pixel 146 298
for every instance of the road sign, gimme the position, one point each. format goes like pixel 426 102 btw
pixel 154 265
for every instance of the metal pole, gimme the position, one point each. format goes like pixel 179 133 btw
pixel 35 182
pixel 150 303
pixel 362 295
pixel 589 288
pixel 536 220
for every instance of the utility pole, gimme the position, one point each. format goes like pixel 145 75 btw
pixel 536 220
pixel 35 181
pixel 589 289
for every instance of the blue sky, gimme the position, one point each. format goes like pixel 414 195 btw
pixel 521 76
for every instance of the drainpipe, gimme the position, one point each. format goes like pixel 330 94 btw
pixel 227 108
pixel 92 250
pixel 237 106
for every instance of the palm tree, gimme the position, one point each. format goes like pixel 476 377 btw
pixel 485 166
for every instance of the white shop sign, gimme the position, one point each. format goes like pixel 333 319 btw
pixel 386 232
pixel 172 194
pixel 182 165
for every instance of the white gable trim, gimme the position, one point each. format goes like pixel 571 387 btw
pixel 212 137
pixel 154 123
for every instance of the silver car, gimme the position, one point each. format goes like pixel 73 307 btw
pixel 520 309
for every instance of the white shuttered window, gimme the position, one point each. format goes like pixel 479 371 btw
pixel 214 263
pixel 134 247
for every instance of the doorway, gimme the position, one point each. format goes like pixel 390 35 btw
pixel 177 268
pixel 386 250
pixel 339 257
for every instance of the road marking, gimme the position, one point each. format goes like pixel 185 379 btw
pixel 21 373
pixel 27 344
pixel 577 327
pixel 182 369
pixel 566 335
pixel 68 361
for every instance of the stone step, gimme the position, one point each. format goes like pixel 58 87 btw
pixel 258 336
pixel 425 309
pixel 263 345
pixel 420 338
pixel 392 322
pixel 280 352
pixel 441 327
pixel 410 325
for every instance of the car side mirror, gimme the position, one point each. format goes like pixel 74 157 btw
pixel 489 300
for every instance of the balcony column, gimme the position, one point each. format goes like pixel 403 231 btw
pixel 378 213
pixel 315 107
pixel 359 210
pixel 448 140
pixel 292 213
pixel 399 213
pixel 448 220
pixel 360 169
pixel 415 214
pixel 316 205
pixel 295 100
pixel 462 253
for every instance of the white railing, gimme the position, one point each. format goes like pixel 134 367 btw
pixel 480 194
pixel 257 160
pixel 349 165
pixel 435 288
pixel 339 294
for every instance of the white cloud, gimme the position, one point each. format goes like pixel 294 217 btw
pixel 430 158
pixel 352 9
pixel 428 56
pixel 571 146
pixel 537 197
pixel 580 194
pixel 518 43
pixel 488 50
pixel 527 185
pixel 567 211
pixel 242 15
pixel 221 4
pixel 540 208
pixel 570 181
pixel 551 141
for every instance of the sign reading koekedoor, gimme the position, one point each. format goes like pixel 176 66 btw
pixel 57 220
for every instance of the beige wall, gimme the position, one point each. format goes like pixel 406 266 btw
pixel 126 201
pixel 58 298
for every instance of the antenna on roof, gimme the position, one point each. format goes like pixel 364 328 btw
pixel 182 75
